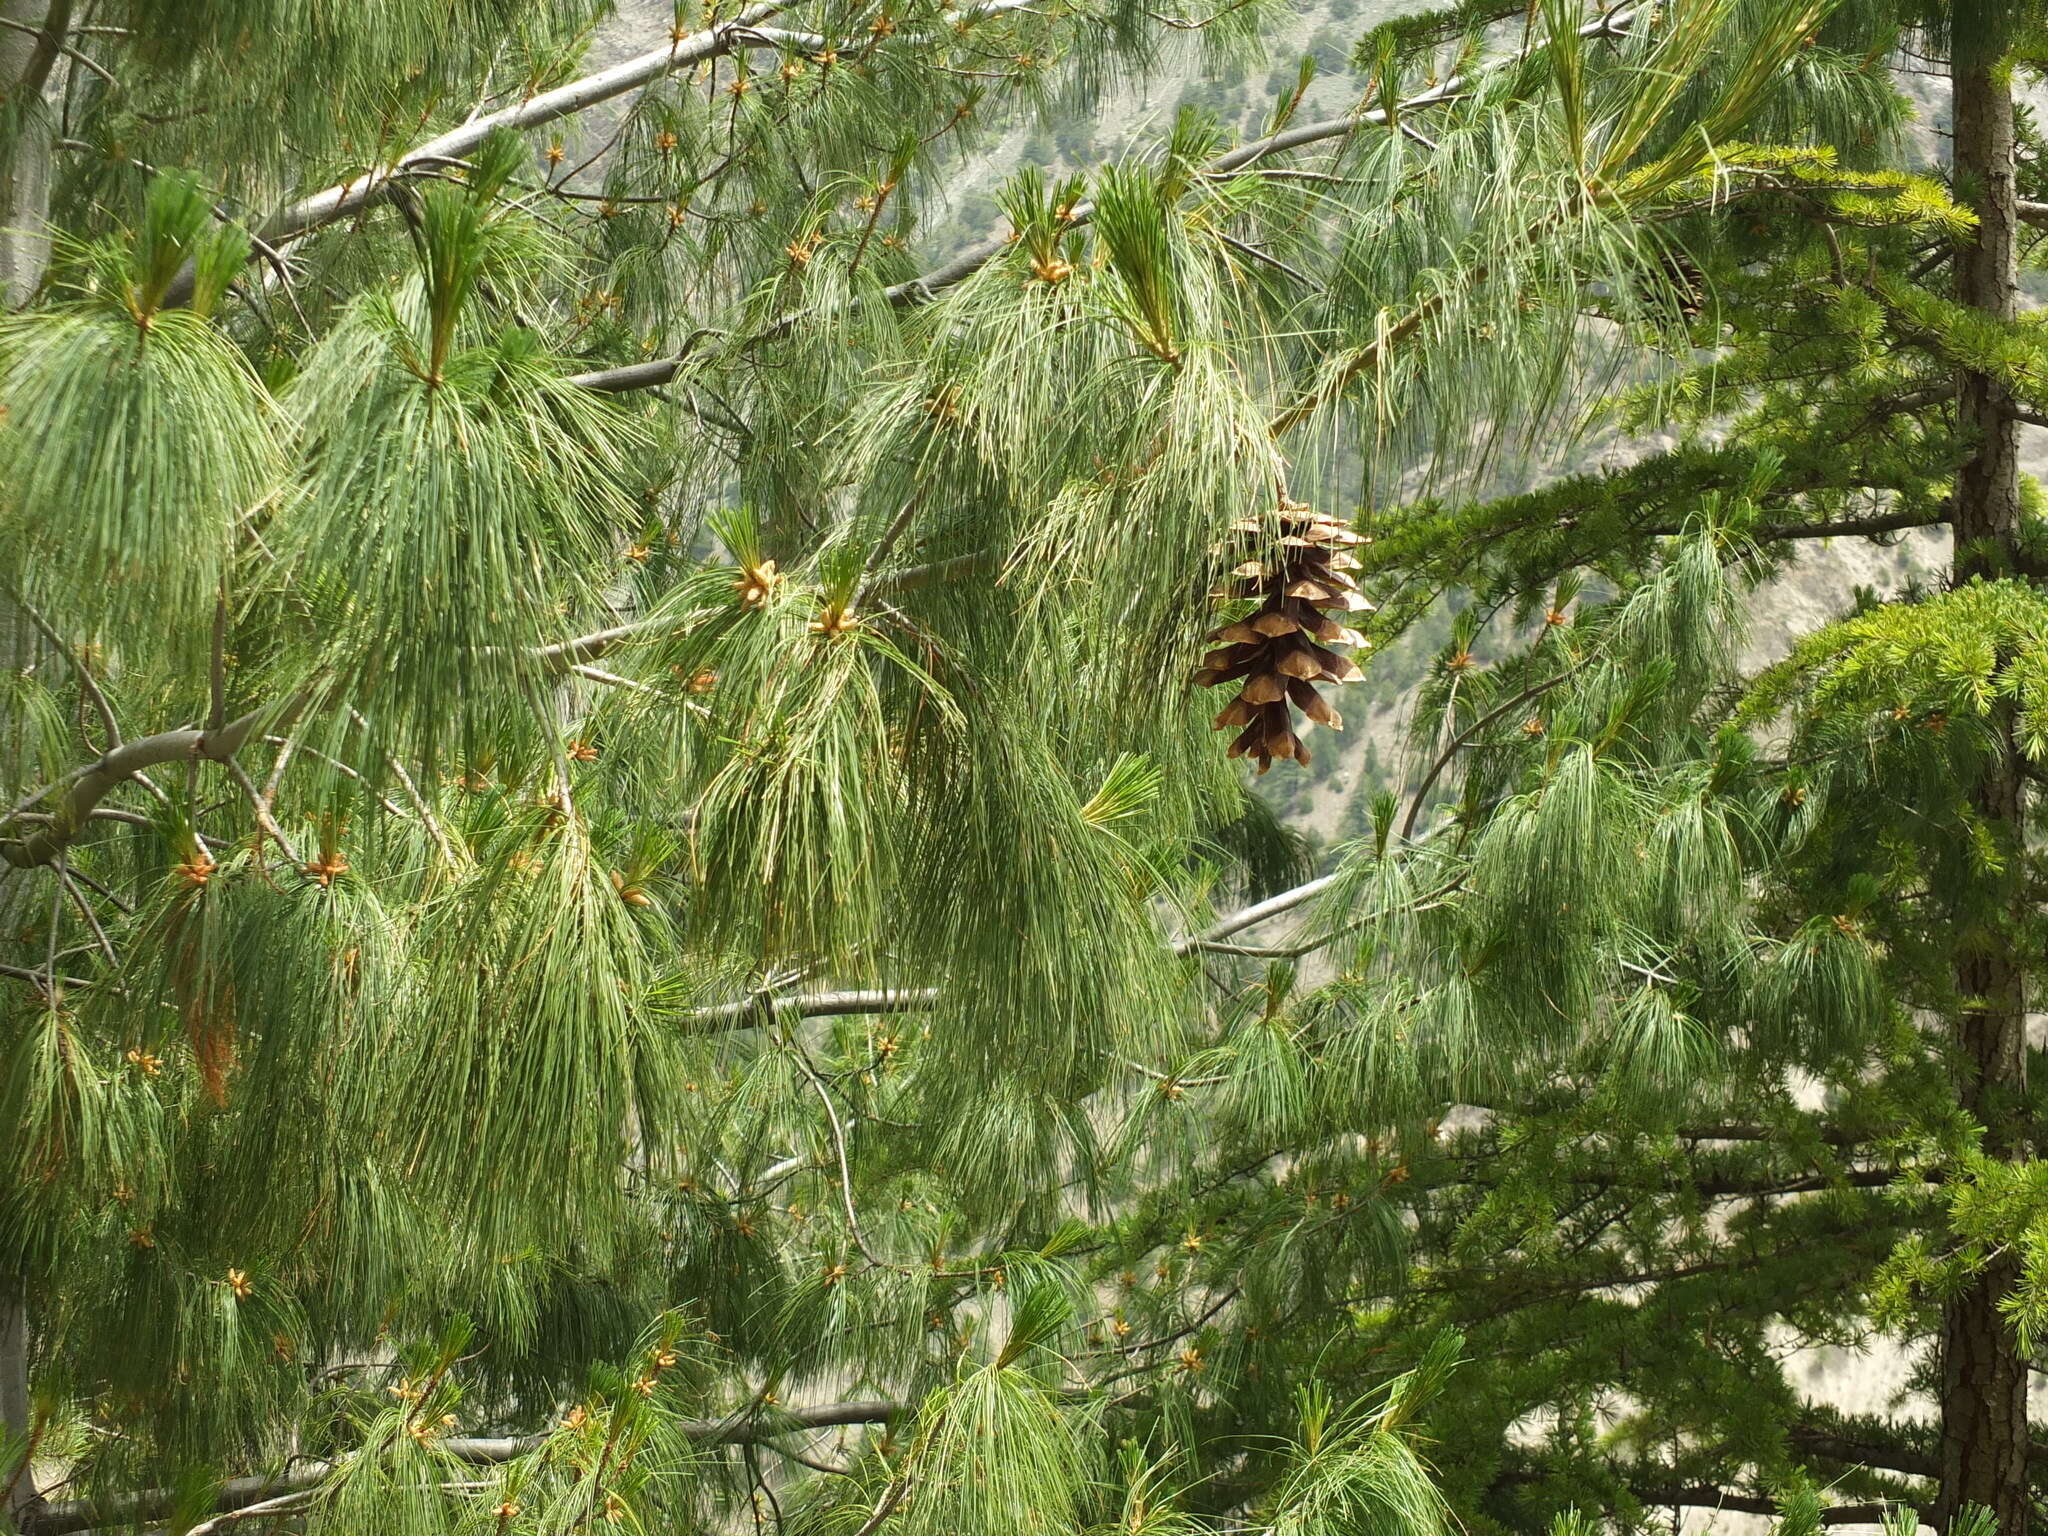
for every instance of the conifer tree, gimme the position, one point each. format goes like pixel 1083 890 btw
pixel 619 906
pixel 1838 885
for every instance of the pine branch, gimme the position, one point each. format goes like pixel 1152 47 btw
pixel 1707 1496
pixel 1842 528
pixel 953 272
pixel 1811 1440
pixel 371 185
pixel 245 1494
pixel 1829 1135
pixel 97 780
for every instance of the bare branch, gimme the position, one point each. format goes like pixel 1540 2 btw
pixel 370 186
pixel 94 782
pixel 245 1494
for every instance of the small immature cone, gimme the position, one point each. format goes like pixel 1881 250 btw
pixel 1282 651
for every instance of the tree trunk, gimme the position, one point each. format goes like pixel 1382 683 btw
pixel 17 1417
pixel 26 151
pixel 1987 506
pixel 1983 1373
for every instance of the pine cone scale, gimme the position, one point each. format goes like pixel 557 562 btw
pixel 1282 650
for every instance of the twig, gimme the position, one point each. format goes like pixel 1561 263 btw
pixel 285 749
pixel 433 823
pixel 57 44
pixel 1464 738
pixel 254 1511
pixel 264 819
pixel 149 785
pixel 885 1506
pixel 802 1460
pixel 218 667
pixel 610 679
pixel 341 768
pixel 1263 256
pixel 91 918
pixel 127 908
pixel 803 1062
pixel 412 793
pixel 56 911
pixel 86 683
pixel 39 979
pixel 883 545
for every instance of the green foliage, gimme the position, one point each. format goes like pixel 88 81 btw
pixel 674 875
pixel 136 436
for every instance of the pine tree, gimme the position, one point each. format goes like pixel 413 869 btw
pixel 618 904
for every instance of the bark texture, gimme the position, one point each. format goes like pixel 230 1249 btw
pixel 1983 1373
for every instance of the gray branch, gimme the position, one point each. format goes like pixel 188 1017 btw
pixel 742 31
pixel 242 1493
pixel 115 768
pixel 370 186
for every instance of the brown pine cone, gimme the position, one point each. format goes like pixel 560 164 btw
pixel 1282 650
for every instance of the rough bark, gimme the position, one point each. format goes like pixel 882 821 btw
pixel 1983 1373
pixel 1987 503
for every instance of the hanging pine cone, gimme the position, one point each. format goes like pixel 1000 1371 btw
pixel 1282 650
